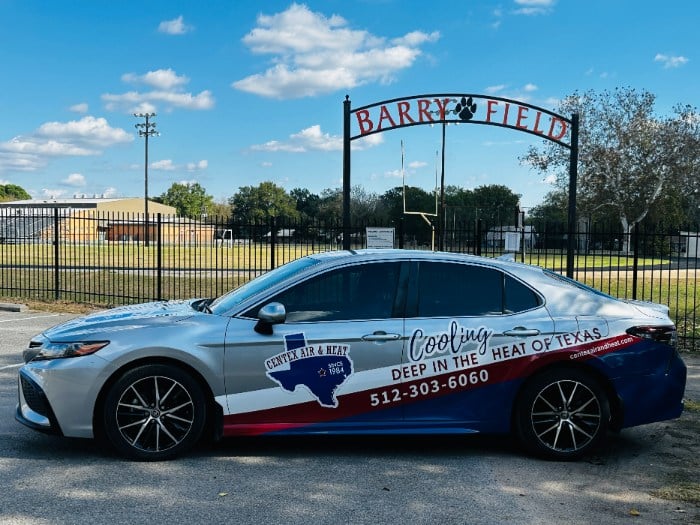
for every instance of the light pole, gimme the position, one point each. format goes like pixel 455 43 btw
pixel 146 129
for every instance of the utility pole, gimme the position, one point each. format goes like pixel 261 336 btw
pixel 146 129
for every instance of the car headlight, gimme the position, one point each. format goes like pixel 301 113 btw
pixel 61 350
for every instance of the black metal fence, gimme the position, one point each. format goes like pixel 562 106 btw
pixel 110 258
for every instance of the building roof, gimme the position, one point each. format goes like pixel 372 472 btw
pixel 77 202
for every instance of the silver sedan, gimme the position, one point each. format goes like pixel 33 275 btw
pixel 375 341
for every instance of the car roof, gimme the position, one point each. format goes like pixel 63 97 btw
pixel 404 255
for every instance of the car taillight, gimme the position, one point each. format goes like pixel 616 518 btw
pixel 660 334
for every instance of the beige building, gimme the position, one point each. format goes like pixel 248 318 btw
pixel 88 220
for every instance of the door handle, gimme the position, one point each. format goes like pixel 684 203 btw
pixel 521 331
pixel 380 336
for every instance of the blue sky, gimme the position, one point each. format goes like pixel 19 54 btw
pixel 252 91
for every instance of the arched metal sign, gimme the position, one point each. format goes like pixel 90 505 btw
pixel 461 108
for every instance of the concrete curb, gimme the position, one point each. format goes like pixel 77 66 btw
pixel 13 307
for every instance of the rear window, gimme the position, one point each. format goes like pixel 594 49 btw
pixel 574 283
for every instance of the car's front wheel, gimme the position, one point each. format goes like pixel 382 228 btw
pixel 154 412
pixel 562 414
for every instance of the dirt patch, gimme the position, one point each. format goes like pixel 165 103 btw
pixel 62 307
pixel 675 454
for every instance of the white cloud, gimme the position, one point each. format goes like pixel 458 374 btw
pixel 671 61
pixel 307 139
pixel 160 79
pixel 417 164
pixel 12 161
pixel 169 165
pixel 391 174
pixel 134 102
pixel 197 166
pixel 50 194
pixel 416 38
pixel 79 108
pixel 176 26
pixel 523 94
pixel 493 90
pixel 168 91
pixel 76 138
pixel 74 179
pixel 534 7
pixel 164 165
pixel 44 148
pixel 110 192
pixel 370 141
pixel 88 131
pixel 314 139
pixel 275 146
pixel 314 54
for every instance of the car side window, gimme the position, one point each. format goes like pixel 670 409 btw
pixel 464 290
pixel 365 291
pixel 518 297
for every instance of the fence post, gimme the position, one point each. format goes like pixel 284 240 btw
pixel 159 255
pixel 635 264
pixel 477 240
pixel 273 242
pixel 56 263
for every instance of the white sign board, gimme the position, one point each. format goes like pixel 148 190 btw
pixel 512 241
pixel 380 237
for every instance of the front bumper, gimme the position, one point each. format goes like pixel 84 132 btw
pixel 58 396
pixel 33 407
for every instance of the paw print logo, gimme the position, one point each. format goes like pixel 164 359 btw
pixel 465 108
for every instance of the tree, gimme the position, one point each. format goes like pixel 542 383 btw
pixel 189 199
pixel 628 157
pixel 260 203
pixel 330 207
pixel 460 205
pixel 497 204
pixel 307 203
pixel 220 209
pixel 365 206
pixel 552 210
pixel 12 192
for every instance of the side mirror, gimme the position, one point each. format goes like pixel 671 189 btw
pixel 269 315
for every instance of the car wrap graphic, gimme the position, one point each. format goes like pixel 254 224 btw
pixel 320 368
pixel 458 360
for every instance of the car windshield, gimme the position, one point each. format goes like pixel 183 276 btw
pixel 267 280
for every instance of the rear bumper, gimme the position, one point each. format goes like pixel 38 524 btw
pixel 657 396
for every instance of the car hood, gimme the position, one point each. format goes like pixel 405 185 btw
pixel 121 318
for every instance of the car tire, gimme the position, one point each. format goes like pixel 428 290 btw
pixel 154 412
pixel 562 414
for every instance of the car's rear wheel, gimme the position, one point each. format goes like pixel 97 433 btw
pixel 154 412
pixel 562 414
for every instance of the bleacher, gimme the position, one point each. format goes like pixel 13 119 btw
pixel 24 228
